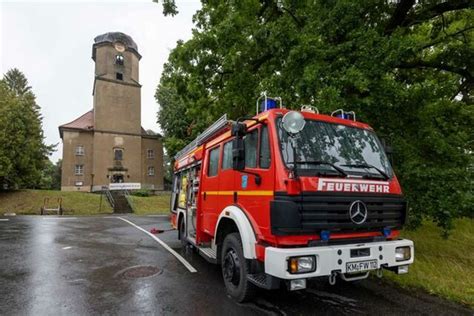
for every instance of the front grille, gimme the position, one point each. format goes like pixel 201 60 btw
pixel 319 211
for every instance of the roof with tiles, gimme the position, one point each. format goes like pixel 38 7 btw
pixel 86 122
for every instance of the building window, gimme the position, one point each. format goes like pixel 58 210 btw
pixel 118 154
pixel 80 151
pixel 119 60
pixel 151 171
pixel 79 170
pixel 150 154
pixel 119 76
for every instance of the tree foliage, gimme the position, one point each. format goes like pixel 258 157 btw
pixel 51 176
pixel 169 7
pixel 405 67
pixel 23 153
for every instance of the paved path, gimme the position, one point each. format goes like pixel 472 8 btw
pixel 75 266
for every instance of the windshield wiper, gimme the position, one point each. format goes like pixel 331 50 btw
pixel 318 162
pixel 367 166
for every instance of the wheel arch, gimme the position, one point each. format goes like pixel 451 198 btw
pixel 233 219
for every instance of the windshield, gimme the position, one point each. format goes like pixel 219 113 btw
pixel 356 151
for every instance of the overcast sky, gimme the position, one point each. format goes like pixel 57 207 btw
pixel 51 43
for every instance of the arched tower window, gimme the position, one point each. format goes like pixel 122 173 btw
pixel 119 60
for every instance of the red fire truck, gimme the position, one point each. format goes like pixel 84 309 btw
pixel 286 196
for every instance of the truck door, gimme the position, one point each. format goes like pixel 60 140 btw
pixel 226 178
pixel 210 192
pixel 255 198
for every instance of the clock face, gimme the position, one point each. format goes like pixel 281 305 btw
pixel 119 47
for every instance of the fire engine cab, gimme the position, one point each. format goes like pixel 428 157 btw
pixel 286 196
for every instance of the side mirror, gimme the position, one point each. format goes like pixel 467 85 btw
pixel 239 129
pixel 238 154
pixel 386 146
pixel 388 149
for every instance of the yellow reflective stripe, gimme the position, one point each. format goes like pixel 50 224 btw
pixel 259 193
pixel 254 193
pixel 219 192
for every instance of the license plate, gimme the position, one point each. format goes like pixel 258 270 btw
pixel 361 266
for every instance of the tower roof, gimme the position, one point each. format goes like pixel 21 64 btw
pixel 113 37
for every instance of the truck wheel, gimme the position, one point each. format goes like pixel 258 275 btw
pixel 182 233
pixel 235 269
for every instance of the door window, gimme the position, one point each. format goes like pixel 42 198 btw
pixel 213 162
pixel 250 143
pixel 227 156
pixel 265 156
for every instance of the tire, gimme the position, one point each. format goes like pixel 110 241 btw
pixel 235 269
pixel 182 233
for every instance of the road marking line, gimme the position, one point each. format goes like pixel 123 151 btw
pixel 109 216
pixel 67 247
pixel 174 253
pixel 59 217
pixel 4 219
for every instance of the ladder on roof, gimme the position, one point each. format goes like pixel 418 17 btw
pixel 204 136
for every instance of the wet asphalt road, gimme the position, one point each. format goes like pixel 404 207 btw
pixel 75 266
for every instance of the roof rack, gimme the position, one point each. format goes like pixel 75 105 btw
pixel 204 136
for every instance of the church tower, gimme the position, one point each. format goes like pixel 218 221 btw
pixel 107 146
pixel 117 104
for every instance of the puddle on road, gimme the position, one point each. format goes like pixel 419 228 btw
pixel 305 302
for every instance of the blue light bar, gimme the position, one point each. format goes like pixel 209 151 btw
pixel 268 104
pixel 345 116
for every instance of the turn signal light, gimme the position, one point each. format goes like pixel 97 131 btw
pixel 304 264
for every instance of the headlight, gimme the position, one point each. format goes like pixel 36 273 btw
pixel 302 264
pixel 402 253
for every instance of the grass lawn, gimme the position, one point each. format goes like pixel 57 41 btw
pixel 31 201
pixel 26 202
pixel 442 267
pixel 155 204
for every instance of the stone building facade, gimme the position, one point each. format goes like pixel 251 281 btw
pixel 107 146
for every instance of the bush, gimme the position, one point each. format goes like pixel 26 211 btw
pixel 142 193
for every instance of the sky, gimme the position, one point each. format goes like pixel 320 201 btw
pixel 51 43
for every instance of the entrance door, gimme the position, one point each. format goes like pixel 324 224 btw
pixel 117 178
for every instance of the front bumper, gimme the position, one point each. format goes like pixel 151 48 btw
pixel 331 259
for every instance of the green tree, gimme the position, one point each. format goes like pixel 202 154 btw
pixel 23 153
pixel 51 176
pixel 17 82
pixel 405 67
pixel 169 7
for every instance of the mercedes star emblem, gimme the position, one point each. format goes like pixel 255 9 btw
pixel 358 212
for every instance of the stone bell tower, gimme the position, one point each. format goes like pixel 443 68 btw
pixel 107 146
pixel 117 104
pixel 117 109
